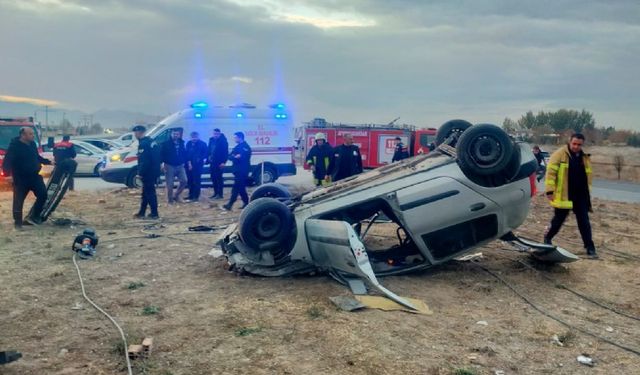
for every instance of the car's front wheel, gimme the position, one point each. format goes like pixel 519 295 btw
pixel 484 149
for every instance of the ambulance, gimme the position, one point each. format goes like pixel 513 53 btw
pixel 268 131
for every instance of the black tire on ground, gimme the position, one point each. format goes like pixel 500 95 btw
pixel 484 149
pixel 265 224
pixel 272 190
pixel 450 127
pixel 57 187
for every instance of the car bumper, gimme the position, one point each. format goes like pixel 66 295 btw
pixel 115 175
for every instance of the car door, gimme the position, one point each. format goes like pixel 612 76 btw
pixel 446 216
pixel 86 160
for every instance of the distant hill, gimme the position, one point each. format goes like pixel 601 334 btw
pixel 108 118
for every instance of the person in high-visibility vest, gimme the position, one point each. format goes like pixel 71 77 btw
pixel 320 159
pixel 568 186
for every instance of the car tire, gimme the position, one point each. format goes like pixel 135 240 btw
pixel 269 176
pixel 484 149
pixel 450 127
pixel 272 190
pixel 265 224
pixel 133 181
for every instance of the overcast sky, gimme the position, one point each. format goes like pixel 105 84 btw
pixel 345 60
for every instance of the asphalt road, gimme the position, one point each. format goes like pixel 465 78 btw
pixel 604 189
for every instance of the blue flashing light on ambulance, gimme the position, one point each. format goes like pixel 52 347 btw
pixel 269 132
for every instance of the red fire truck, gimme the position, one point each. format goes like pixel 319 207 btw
pixel 376 142
pixel 9 129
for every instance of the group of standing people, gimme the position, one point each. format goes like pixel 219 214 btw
pixel 184 162
pixel 330 164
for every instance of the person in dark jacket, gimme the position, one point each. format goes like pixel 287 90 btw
pixel 149 171
pixel 400 152
pixel 319 159
pixel 63 151
pixel 174 158
pixel 197 153
pixel 241 158
pixel 347 160
pixel 218 154
pixel 23 162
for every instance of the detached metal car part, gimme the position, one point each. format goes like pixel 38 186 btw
pixel 443 204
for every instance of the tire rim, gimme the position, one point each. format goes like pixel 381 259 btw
pixel 268 225
pixel 486 151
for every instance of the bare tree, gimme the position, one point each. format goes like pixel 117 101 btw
pixel 618 163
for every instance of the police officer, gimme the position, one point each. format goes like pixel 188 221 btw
pixel 23 162
pixel 196 155
pixel 149 171
pixel 218 154
pixel 62 153
pixel 319 159
pixel 347 160
pixel 400 152
pixel 240 156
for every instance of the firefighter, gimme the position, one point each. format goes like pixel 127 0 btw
pixel 63 151
pixel 568 183
pixel 347 160
pixel 149 171
pixel 319 159
pixel 240 156
pixel 23 162
pixel 400 152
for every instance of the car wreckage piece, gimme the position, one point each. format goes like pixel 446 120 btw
pixel 474 188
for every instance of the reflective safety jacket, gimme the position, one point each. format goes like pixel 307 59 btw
pixel 557 177
pixel 319 159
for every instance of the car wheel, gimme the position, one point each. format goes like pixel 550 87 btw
pixel 484 149
pixel 450 128
pixel 265 224
pixel 270 191
pixel 267 176
pixel 133 180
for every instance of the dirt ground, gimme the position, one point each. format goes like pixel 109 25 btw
pixel 206 320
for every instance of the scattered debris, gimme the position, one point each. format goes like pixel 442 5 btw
pixel 347 303
pixel 141 351
pixel 586 360
pixel 77 306
pixel 470 257
pixel 609 329
pixel 111 246
pixel 63 352
pixel 385 304
pixel 216 253
pixel 499 372
pixel 556 340
pixel 482 323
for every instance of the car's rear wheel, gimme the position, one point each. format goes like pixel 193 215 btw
pixel 265 224
pixel 449 128
pixel 272 190
pixel 484 150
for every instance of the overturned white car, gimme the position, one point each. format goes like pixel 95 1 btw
pixel 443 204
